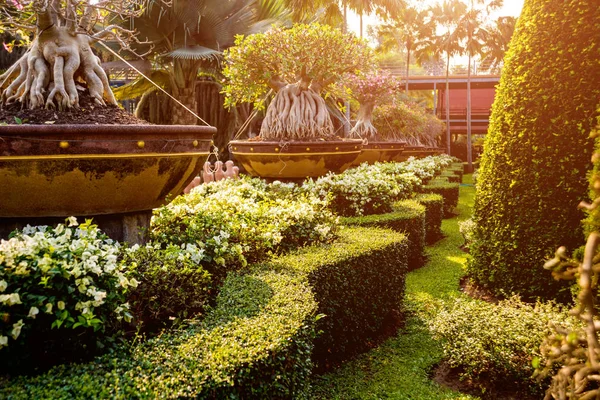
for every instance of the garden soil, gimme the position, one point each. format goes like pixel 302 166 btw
pixel 87 113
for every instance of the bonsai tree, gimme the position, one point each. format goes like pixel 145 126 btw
pixel 60 52
pixel 367 90
pixel 298 65
pixel 408 121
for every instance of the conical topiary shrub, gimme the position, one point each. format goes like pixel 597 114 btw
pixel 533 170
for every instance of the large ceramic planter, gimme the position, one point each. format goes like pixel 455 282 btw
pixel 379 151
pixel 84 170
pixel 295 160
pixel 412 151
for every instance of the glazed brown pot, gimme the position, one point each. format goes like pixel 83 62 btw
pixel 63 170
pixel 413 151
pixel 379 151
pixel 295 160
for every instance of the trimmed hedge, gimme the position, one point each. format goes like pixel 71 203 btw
pixel 409 217
pixel 451 176
pixel 448 190
pixel 537 152
pixel 434 213
pixel 257 340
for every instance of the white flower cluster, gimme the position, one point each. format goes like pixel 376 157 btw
pixel 369 189
pixel 231 218
pixel 67 271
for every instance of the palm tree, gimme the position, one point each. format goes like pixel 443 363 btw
pixel 448 14
pixel 474 22
pixel 188 36
pixel 385 8
pixel 495 39
pixel 412 30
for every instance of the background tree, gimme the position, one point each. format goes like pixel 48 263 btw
pixel 495 39
pixel 299 65
pixel 60 53
pixel 448 15
pixel 537 151
pixel 411 30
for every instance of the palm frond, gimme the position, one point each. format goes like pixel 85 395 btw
pixel 141 85
pixel 195 53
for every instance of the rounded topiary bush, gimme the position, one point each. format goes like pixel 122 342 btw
pixel 537 152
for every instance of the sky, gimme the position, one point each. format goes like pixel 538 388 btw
pixel 511 7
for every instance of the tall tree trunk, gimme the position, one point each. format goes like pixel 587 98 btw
pixel 361 24
pixel 448 140
pixel 469 146
pixel 407 66
pixel 347 124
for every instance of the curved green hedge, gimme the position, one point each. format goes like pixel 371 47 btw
pixel 434 213
pixel 537 152
pixel 409 217
pixel 257 340
pixel 448 190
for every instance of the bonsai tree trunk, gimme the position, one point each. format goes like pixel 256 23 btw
pixel 45 75
pixel 364 128
pixel 297 112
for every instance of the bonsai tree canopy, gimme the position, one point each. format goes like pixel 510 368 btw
pixel 299 65
pixel 60 54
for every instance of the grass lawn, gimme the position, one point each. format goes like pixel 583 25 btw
pixel 400 367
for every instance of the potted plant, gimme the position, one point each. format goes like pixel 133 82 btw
pixel 409 121
pixel 64 150
pixel 368 89
pixel 299 65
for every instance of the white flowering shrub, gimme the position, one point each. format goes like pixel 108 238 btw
pixel 65 280
pixel 372 189
pixel 236 221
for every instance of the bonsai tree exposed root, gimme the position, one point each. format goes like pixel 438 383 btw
pixel 51 66
pixel 364 127
pixel 296 112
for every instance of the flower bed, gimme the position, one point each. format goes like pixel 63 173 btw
pixel 62 295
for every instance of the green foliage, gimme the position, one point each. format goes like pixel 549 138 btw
pixel 449 191
pixel 537 152
pixel 172 286
pixel 467 230
pixel 287 54
pixel 496 343
pixel 408 216
pixel 406 120
pixel 592 222
pixel 256 342
pixel 434 213
pixel 62 294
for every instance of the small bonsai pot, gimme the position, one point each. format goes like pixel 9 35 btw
pixel 295 160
